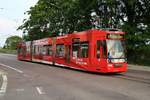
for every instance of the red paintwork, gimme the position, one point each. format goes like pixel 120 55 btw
pixel 89 64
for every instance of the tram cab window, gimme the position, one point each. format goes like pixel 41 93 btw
pixel 84 50
pixel 75 49
pixel 60 50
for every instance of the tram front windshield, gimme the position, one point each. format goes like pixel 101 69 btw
pixel 116 50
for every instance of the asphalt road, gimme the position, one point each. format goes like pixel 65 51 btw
pixel 32 81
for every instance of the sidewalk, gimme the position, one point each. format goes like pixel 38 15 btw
pixel 138 67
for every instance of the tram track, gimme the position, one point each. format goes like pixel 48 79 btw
pixel 133 78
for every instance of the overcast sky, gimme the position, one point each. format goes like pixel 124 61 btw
pixel 11 16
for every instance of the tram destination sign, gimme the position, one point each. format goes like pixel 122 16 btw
pixel 115 36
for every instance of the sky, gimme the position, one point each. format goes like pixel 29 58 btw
pixel 11 16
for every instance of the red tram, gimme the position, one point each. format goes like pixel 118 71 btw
pixel 92 50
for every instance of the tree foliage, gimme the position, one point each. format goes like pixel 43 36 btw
pixel 12 42
pixel 58 16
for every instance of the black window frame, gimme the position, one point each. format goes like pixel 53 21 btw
pixel 103 45
pixel 77 47
pixel 104 49
pixel 86 43
pixel 98 45
pixel 58 53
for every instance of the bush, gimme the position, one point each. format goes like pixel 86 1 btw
pixel 140 55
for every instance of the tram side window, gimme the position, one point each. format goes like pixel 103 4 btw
pixel 84 50
pixel 34 49
pixel 44 50
pixel 37 50
pixel 28 49
pixel 18 50
pixel 60 50
pixel 98 49
pixel 75 50
pixel 49 50
pixel 40 50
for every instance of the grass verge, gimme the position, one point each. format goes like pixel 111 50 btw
pixel 8 51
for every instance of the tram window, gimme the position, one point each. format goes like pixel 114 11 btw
pixel 98 49
pixel 44 49
pixel 27 49
pixel 75 49
pixel 60 51
pixel 84 50
pixel 19 50
pixel 40 50
pixel 49 50
pixel 104 48
pixel 34 49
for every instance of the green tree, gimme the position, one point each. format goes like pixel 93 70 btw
pixel 55 16
pixel 12 42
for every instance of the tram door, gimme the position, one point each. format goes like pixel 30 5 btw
pixel 67 54
pixel 53 50
pixel 101 52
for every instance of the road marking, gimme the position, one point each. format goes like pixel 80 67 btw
pixel 4 85
pixel 11 68
pixel 40 90
pixel 19 90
